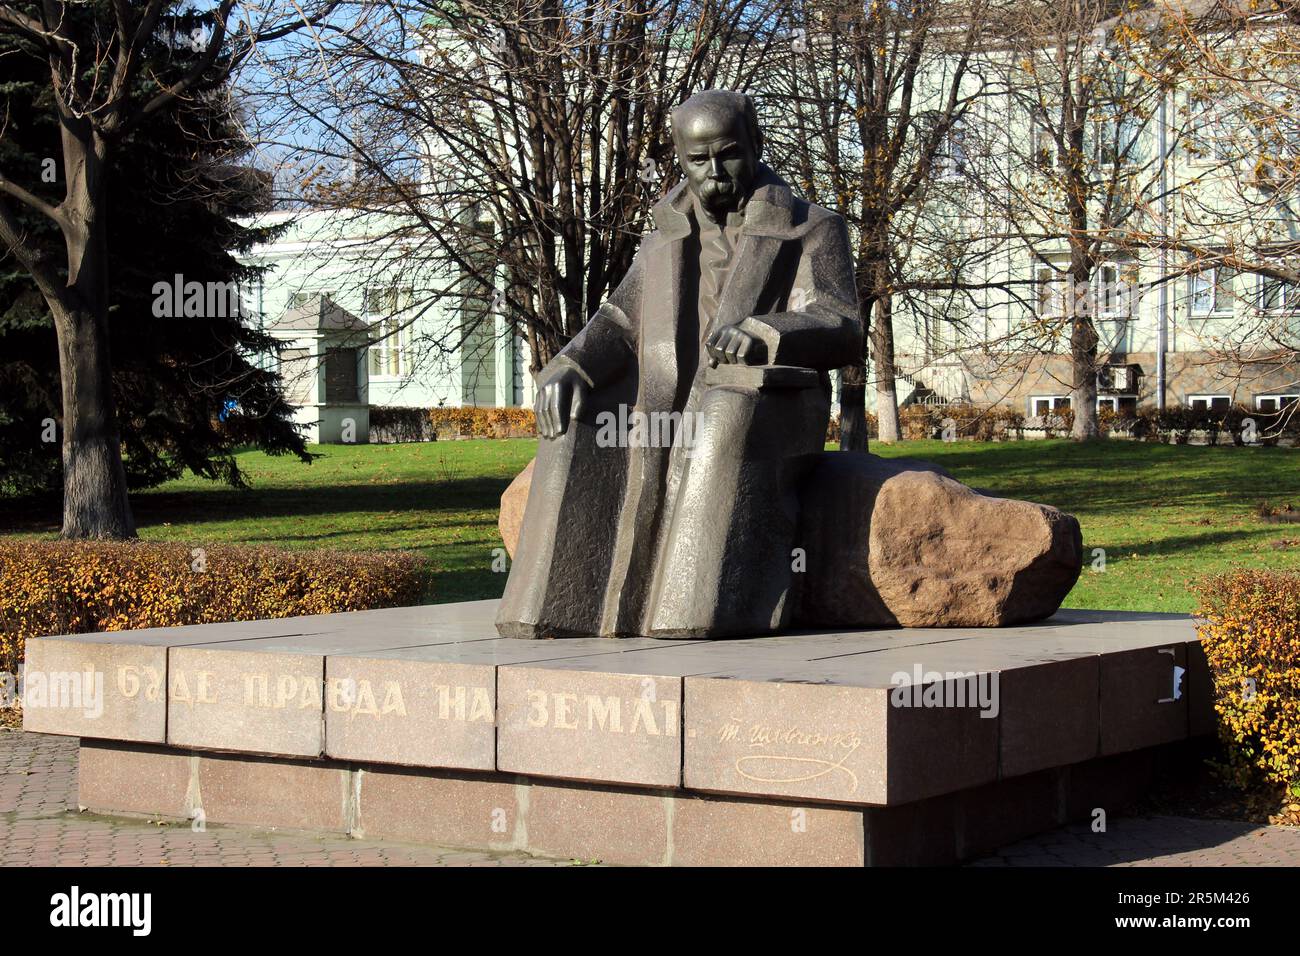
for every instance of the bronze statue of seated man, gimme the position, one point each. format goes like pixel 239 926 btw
pixel 676 425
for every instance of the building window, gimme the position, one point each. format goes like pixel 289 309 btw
pixel 1210 292
pixel 1041 405
pixel 1052 285
pixel 951 160
pixel 1118 133
pixel 1211 132
pixel 1119 404
pixel 1274 403
pixel 1115 284
pixel 1278 295
pixel 390 331
pixel 1209 403
pixel 1043 143
pixel 1277 130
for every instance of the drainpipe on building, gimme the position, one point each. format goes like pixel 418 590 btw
pixel 1162 311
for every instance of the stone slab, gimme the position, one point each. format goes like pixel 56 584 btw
pixel 133 778
pixel 588 822
pixel 1111 784
pixel 268 792
pixel 1007 811
pixel 432 705
pixel 597 822
pixel 1042 693
pixel 1201 715
pixel 444 807
pixel 114 691
pixel 267 695
pixel 249 702
pixel 112 685
pixel 1049 715
pixel 922 833
pixel 1143 697
pixel 416 713
pixel 579 724
pixel 435 687
pixel 720 831
pixel 831 741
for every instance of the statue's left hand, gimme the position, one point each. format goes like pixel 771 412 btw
pixel 732 346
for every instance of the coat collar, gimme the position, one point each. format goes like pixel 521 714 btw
pixel 769 212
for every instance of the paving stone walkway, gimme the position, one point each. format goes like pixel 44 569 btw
pixel 38 783
pixel 1156 841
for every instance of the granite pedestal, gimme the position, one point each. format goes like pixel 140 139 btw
pixel 874 747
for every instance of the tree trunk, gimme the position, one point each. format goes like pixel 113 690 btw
pixel 95 502
pixel 1083 348
pixel 888 426
pixel 853 409
pixel 1083 359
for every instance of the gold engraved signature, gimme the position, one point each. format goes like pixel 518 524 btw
pixel 821 768
pixel 759 767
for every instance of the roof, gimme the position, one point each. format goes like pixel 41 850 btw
pixel 317 313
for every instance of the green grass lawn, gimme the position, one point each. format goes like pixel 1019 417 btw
pixel 1165 515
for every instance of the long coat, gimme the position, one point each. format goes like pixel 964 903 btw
pixel 691 539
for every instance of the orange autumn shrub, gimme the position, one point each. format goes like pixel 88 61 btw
pixel 81 587
pixel 471 422
pixel 1249 622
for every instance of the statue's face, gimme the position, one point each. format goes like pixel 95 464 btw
pixel 720 161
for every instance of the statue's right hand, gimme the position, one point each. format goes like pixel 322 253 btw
pixel 559 400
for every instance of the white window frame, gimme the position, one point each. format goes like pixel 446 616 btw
pixel 1210 132
pixel 1120 291
pixel 1053 407
pixel 1042 143
pixel 1278 397
pixel 1214 282
pixel 388 356
pixel 1051 288
pixel 301 297
pixel 1290 292
pixel 1119 133
pixel 1208 399
pixel 952 158
pixel 1112 401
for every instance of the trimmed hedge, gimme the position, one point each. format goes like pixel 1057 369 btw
pixel 968 421
pixel 471 422
pixel 1177 423
pixel 1249 622
pixel 81 587
pixel 393 423
pixel 404 424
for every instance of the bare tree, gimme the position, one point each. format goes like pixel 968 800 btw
pixel 515 148
pixel 1234 230
pixel 97 53
pixel 876 99
pixel 1082 169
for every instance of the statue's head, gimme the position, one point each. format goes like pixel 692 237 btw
pixel 718 146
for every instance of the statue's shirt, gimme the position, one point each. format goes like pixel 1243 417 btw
pixel 718 244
